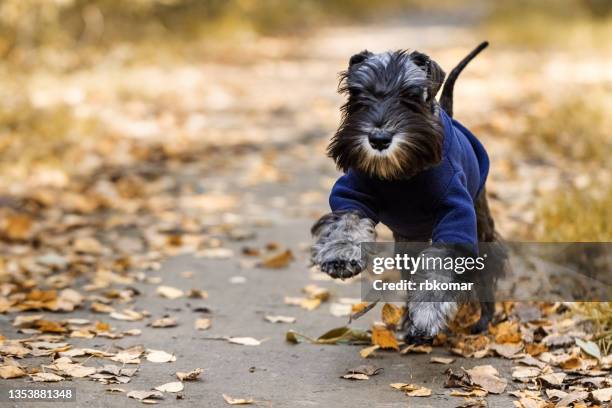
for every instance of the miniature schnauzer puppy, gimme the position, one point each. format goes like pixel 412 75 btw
pixel 409 165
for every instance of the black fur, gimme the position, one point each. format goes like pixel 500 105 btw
pixel 383 95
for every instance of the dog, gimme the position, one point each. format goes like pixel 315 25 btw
pixel 408 164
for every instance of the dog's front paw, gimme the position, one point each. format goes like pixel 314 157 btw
pixel 342 268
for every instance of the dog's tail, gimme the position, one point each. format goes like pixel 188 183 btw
pixel 446 99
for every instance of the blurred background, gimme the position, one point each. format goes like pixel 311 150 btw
pixel 84 83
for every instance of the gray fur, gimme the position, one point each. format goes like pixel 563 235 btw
pixel 338 238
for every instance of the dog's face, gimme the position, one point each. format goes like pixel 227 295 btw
pixel 390 128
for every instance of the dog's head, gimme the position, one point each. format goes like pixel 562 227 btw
pixel 390 128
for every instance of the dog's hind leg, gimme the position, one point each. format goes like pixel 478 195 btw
pixel 493 268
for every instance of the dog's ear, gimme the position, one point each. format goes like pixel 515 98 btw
pixel 359 58
pixel 434 72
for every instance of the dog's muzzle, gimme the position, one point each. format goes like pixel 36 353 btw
pixel 380 139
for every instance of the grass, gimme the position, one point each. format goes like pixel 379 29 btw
pixel 574 128
pixel 550 23
pixel 576 215
pixel 600 316
pixel 32 136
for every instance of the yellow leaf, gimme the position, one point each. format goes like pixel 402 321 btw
pixel 391 315
pixel 384 338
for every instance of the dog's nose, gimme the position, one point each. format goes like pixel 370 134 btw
pixel 380 139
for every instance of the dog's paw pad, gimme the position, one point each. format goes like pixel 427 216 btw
pixel 341 268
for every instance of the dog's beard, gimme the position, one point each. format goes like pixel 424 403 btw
pixel 408 154
pixel 391 163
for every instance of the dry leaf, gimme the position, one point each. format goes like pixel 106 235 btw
pixel 368 351
pixel 474 392
pixel 279 319
pixel 391 315
pixel 507 350
pixel 145 394
pixel 17 227
pixel 412 390
pixel 486 377
pixel 160 356
pixel 602 395
pixel 356 376
pixel 535 349
pixel 417 348
pixel 277 260
pixel 46 377
pixel 164 322
pixel 442 360
pixel 316 292
pixel 11 371
pixel 340 309
pixel 506 332
pixel 202 324
pixel 237 401
pixel 176 386
pixel 169 292
pixel 189 376
pixel 369 370
pixel 384 338
pixel 244 341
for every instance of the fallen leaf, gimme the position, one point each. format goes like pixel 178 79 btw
pixel 160 356
pixel 127 315
pixel 486 377
pixel 244 341
pixel 391 315
pixel 553 379
pixel 369 370
pixel 202 324
pixel 277 260
pixel 164 322
pixel 46 377
pixel 590 348
pixel 17 227
pixel 417 348
pixel 535 349
pixel 26 321
pixel 525 373
pixel 340 335
pixel 506 332
pixel 356 376
pixel 412 390
pixel 145 394
pixel 189 376
pixel 474 392
pixel 11 371
pixel 602 395
pixel 384 338
pixel 506 350
pixel 340 309
pixel 316 292
pixel 279 319
pixel 368 351
pixel 169 292
pixel 572 397
pixel 197 294
pixel 442 360
pixel 176 386
pixel 237 401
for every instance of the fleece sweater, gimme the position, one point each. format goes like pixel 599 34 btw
pixel 436 204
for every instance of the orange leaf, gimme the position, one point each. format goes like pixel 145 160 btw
pixel 383 337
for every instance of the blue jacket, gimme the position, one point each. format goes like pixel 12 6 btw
pixel 436 204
